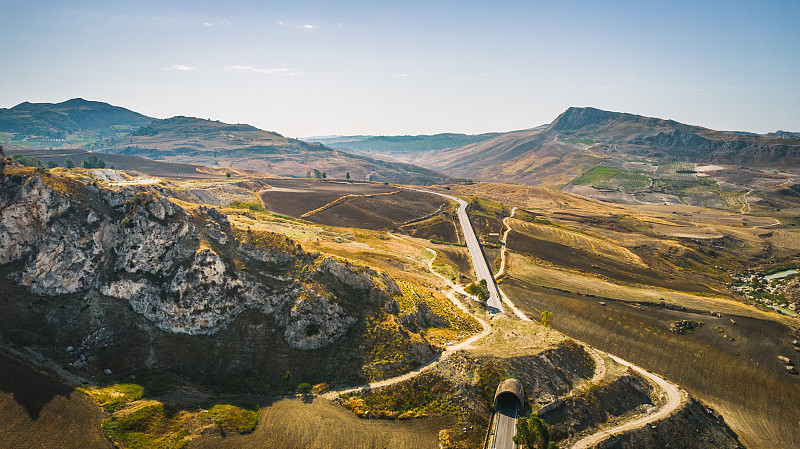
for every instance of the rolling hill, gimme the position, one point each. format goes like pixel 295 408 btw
pixel 213 143
pixel 49 123
pixel 100 127
pixel 581 138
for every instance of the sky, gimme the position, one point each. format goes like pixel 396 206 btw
pixel 313 68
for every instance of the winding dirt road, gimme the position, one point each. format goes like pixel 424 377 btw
pixel 675 398
pixel 451 295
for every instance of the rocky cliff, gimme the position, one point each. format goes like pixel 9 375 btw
pixel 168 270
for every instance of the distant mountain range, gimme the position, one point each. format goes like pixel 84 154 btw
pixel 550 155
pixel 400 144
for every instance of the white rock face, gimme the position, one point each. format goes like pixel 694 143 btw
pixel 23 213
pixel 155 263
pixel 314 323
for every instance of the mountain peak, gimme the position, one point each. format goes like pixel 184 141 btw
pixel 576 117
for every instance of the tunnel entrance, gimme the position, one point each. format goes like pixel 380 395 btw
pixel 509 399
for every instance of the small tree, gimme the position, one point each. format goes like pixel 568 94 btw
pixel 532 433
pixel 304 388
pixel 227 174
pixel 546 315
pixel 347 176
pixel 69 163
pixel 52 164
pixel 324 175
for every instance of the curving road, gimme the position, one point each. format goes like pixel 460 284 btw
pixel 675 397
pixel 495 304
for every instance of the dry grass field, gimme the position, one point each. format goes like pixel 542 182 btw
pixel 321 424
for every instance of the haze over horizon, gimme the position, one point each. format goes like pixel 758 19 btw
pixel 311 68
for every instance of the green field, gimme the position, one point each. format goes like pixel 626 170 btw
pixel 613 178
pixel 121 127
pixel 577 141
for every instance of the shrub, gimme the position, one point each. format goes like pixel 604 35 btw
pixel 532 433
pixel 546 315
pixel 127 222
pixel 320 388
pixel 304 388
pixel 69 163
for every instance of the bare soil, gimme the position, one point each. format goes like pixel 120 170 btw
pixel 596 264
pixel 318 423
pixel 295 197
pixel 381 212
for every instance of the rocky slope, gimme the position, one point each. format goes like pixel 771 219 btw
pixel 129 280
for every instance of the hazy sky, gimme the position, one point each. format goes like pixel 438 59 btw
pixel 306 68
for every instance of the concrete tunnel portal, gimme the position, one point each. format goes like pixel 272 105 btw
pixel 510 397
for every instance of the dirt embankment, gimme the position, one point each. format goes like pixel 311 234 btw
pixel 599 404
pixel 692 426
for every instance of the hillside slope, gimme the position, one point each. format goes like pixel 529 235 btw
pixel 212 143
pixel 582 137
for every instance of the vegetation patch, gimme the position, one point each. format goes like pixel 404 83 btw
pixel 147 426
pixel 428 394
pixel 489 377
pixel 247 205
pixel 144 423
pixel 390 347
pixel 232 418
pixel 114 397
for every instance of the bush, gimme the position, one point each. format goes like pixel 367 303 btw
pixel 127 222
pixel 480 290
pixel 69 163
pixel 304 388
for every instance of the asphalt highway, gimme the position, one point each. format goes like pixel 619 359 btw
pixel 482 270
